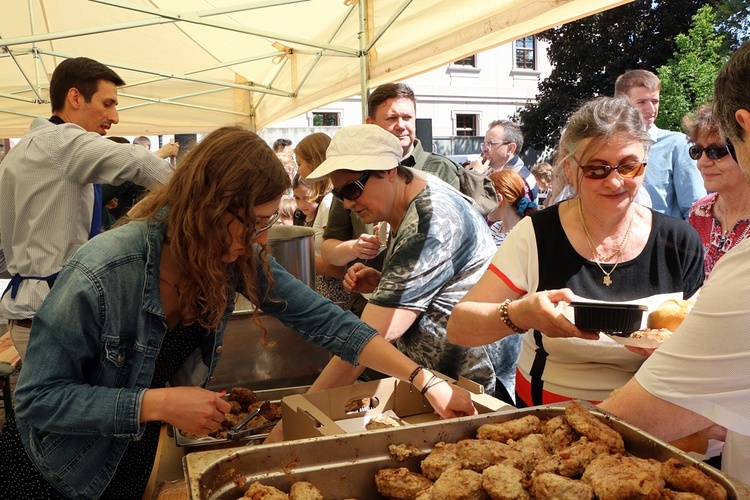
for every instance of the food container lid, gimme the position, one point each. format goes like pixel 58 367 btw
pixel 599 305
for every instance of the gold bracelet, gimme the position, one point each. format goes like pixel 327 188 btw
pixel 506 319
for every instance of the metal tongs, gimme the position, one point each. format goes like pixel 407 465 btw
pixel 236 433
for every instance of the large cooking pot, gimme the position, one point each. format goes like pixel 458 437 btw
pixel 294 248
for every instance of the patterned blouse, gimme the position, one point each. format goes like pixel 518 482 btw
pixel 715 244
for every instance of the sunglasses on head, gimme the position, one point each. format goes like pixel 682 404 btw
pixel 353 190
pixel 713 152
pixel 628 170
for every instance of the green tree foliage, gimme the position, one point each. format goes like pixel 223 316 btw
pixel 688 80
pixel 588 55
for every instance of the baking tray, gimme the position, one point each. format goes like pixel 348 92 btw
pixel 344 466
pixel 273 395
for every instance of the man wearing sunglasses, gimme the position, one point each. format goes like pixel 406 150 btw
pixel 699 379
pixel 672 179
pixel 347 239
pixel 438 247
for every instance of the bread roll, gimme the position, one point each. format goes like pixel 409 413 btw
pixel 669 314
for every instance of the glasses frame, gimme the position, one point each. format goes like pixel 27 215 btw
pixel 358 186
pixel 626 170
pixel 489 144
pixel 273 219
pixel 730 149
pixel 712 152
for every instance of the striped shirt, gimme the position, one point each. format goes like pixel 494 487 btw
pixel 47 198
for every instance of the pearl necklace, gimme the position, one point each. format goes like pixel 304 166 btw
pixel 607 281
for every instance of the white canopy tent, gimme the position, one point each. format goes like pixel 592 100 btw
pixel 194 65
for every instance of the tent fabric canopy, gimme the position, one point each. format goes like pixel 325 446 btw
pixel 193 65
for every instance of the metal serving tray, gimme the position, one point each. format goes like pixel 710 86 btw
pixel 344 466
pixel 273 395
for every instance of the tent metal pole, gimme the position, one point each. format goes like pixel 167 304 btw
pixel 364 70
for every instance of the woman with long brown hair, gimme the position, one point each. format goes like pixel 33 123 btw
pixel 134 326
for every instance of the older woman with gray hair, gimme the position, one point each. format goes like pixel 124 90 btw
pixel 599 245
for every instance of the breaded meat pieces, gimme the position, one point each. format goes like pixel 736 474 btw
pixel 478 454
pixel 559 433
pixel 683 477
pixel 618 477
pixel 551 486
pixel 458 484
pixel 586 424
pixel 258 491
pixel 302 490
pixel 443 456
pixel 401 483
pixel 503 482
pixel 573 460
pixel 512 429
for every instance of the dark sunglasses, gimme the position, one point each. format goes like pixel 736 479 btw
pixel 713 152
pixel 258 230
pixel 628 170
pixel 353 190
pixel 732 152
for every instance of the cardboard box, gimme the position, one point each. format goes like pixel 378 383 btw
pixel 315 414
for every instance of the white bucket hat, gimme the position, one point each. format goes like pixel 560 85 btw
pixel 359 148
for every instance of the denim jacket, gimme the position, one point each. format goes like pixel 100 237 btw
pixel 94 343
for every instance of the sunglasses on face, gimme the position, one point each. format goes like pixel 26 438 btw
pixel 258 230
pixel 628 170
pixel 713 152
pixel 730 149
pixel 353 190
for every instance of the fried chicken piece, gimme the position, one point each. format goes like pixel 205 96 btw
pixel 258 491
pixel 232 419
pixel 552 486
pixel 533 449
pixel 586 424
pixel 402 452
pixel 443 456
pixel 559 433
pixel 688 478
pixel 425 495
pixel 478 454
pixel 503 482
pixel 302 490
pixel 667 494
pixel 270 411
pixel 242 395
pixel 359 404
pixel 616 477
pixel 401 484
pixel 459 484
pixel 236 407
pixel 382 423
pixel 573 460
pixel 512 429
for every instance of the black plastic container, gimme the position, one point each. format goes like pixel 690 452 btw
pixel 621 319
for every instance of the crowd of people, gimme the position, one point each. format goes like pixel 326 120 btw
pixel 415 274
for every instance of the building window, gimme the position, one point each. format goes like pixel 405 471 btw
pixel 526 53
pixel 321 119
pixel 470 61
pixel 466 124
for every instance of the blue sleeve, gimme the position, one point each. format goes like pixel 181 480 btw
pixel 688 182
pixel 314 317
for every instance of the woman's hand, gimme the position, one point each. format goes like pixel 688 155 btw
pixel 367 246
pixel 362 279
pixel 643 351
pixel 191 409
pixel 539 311
pixel 450 401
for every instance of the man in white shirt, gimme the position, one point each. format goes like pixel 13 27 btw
pixel 48 199
pixel 672 181
pixel 699 379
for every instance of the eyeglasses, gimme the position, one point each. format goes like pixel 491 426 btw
pixel 713 152
pixel 489 144
pixel 628 170
pixel 353 190
pixel 257 230
pixel 730 148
